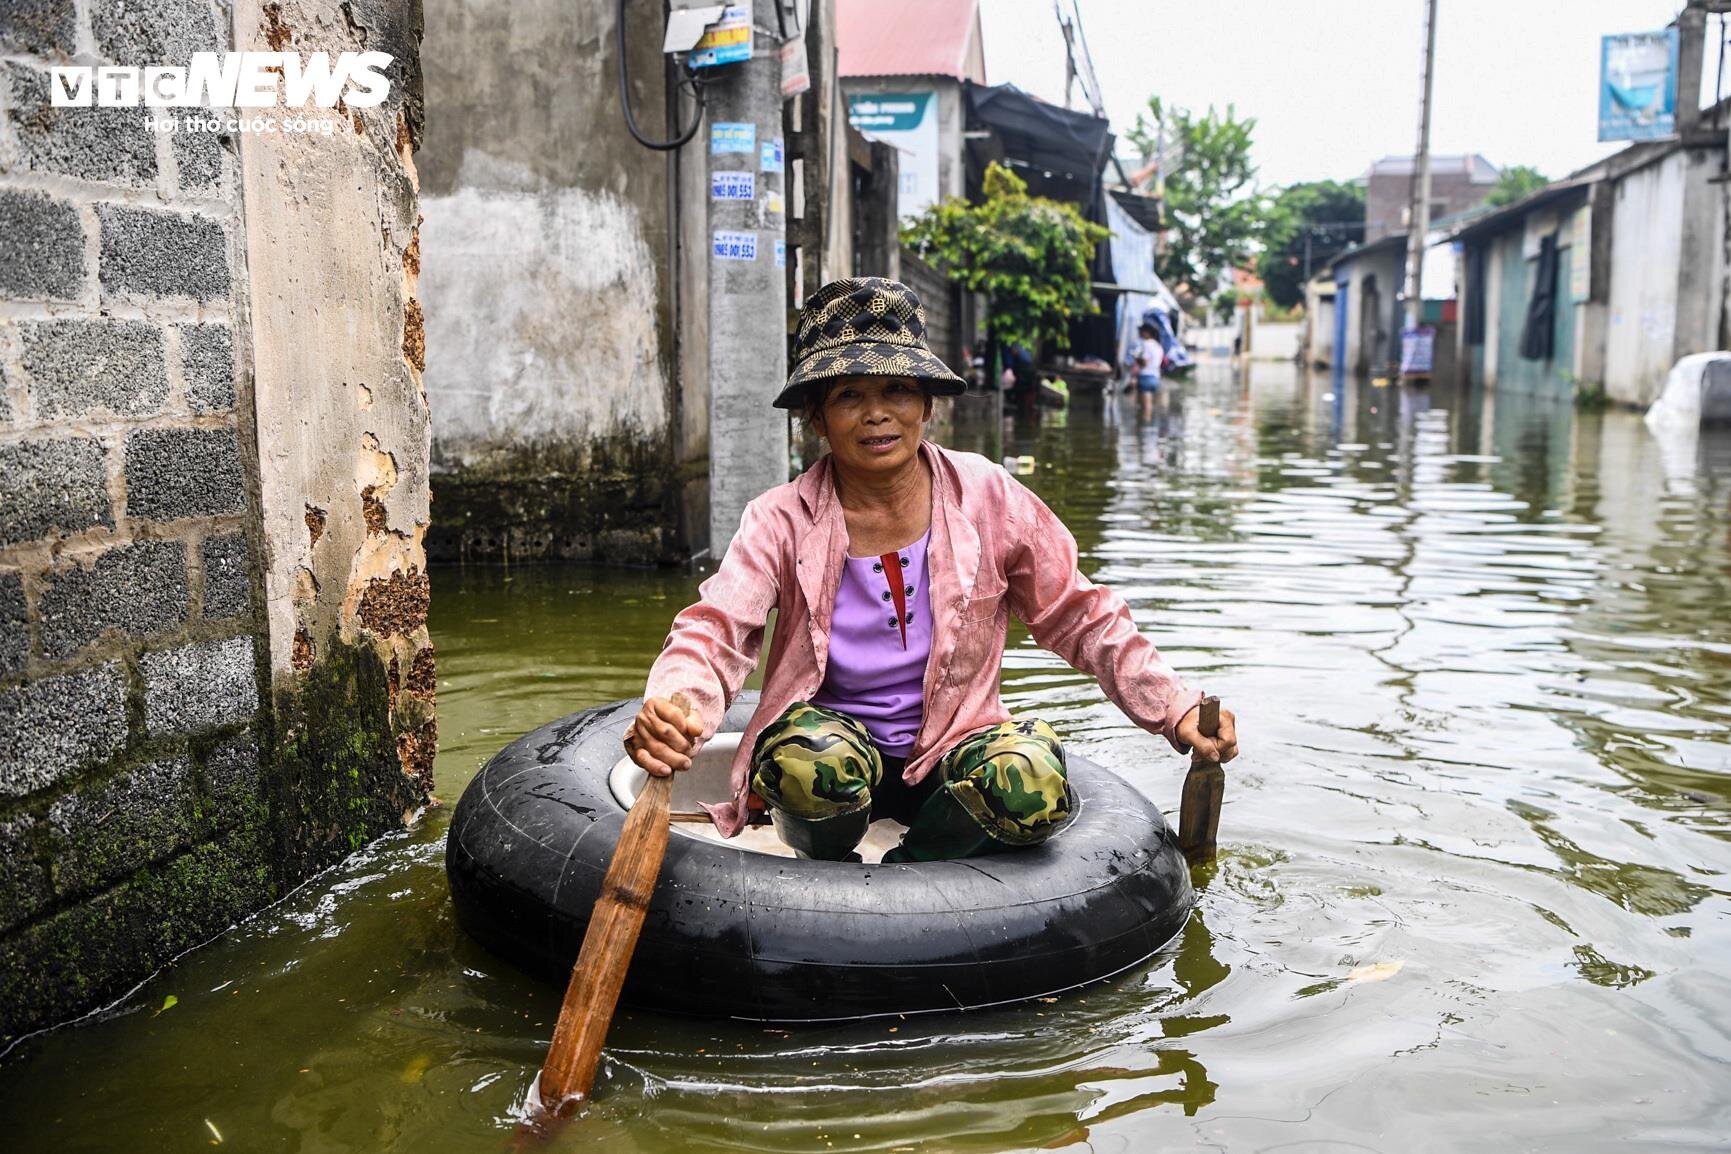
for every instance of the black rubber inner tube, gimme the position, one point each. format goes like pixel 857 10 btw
pixel 737 933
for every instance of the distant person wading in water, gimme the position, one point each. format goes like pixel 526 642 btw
pixel 894 565
pixel 1143 361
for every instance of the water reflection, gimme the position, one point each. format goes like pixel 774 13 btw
pixel 1474 867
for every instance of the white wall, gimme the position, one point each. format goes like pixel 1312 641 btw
pixel 1319 316
pixel 1275 340
pixel 1646 246
pixel 547 329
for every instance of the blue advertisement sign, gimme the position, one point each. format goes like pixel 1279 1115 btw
pixel 732 186
pixel 735 245
pixel 730 136
pixel 727 41
pixel 770 158
pixel 780 253
pixel 1638 86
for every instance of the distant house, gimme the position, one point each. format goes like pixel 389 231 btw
pixel 902 64
pixel 1603 280
pixel 1457 183
pixel 1367 285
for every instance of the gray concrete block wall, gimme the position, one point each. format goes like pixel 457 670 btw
pixel 137 590
pixel 227 577
pixel 42 248
pixel 52 728
pixel 39 27
pixel 207 364
pixel 200 686
pixel 79 368
pixel 162 253
pixel 131 681
pixel 128 821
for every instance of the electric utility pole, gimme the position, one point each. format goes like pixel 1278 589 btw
pixel 748 443
pixel 1418 215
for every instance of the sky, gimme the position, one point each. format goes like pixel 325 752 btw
pixel 1334 84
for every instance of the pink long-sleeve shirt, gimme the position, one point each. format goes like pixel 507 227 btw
pixel 995 549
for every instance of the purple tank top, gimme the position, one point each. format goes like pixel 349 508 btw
pixel 879 639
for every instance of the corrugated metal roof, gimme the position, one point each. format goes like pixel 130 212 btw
pixel 905 37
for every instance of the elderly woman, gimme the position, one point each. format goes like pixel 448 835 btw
pixel 893 565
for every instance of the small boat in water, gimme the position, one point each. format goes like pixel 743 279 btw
pixel 741 928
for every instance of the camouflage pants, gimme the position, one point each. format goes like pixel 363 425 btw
pixel 1003 787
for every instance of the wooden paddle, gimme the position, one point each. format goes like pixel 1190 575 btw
pixel 1199 813
pixel 608 943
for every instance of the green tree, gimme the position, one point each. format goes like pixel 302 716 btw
pixel 1327 213
pixel 1029 255
pixel 1214 218
pixel 1515 182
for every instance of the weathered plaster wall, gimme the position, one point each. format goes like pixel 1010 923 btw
pixel 547 290
pixel 1701 275
pixel 1646 239
pixel 151 792
pixel 337 352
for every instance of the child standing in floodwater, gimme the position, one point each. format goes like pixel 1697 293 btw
pixel 1143 361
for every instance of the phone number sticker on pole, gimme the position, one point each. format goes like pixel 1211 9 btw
pixel 732 136
pixel 770 157
pixel 735 245
pixel 732 186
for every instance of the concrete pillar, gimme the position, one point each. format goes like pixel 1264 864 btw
pixel 1700 274
pixel 747 297
pixel 215 674
pixel 1691 45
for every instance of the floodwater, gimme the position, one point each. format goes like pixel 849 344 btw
pixel 1476 854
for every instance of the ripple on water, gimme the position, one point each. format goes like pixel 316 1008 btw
pixel 1475 864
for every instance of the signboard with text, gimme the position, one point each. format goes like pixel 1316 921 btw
pixel 908 121
pixel 1638 86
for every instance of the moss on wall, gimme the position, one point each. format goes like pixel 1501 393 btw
pixel 616 500
pixel 93 952
pixel 338 781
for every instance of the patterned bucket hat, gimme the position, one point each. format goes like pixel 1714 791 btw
pixel 864 327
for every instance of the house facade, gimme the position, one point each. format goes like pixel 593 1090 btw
pixel 1599 283
pixel 1457 183
pixel 1367 321
pixel 902 64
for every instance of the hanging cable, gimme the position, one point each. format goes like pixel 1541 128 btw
pixel 625 95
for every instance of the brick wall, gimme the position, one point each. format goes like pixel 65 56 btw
pixel 146 797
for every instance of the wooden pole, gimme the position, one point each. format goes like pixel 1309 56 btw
pixel 1199 813
pixel 608 944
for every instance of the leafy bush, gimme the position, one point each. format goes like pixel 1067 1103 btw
pixel 1029 255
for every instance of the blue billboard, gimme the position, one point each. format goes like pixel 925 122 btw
pixel 1638 86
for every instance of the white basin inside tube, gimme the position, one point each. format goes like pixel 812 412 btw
pixel 708 780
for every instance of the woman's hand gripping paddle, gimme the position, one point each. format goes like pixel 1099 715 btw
pixel 608 943
pixel 1199 813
